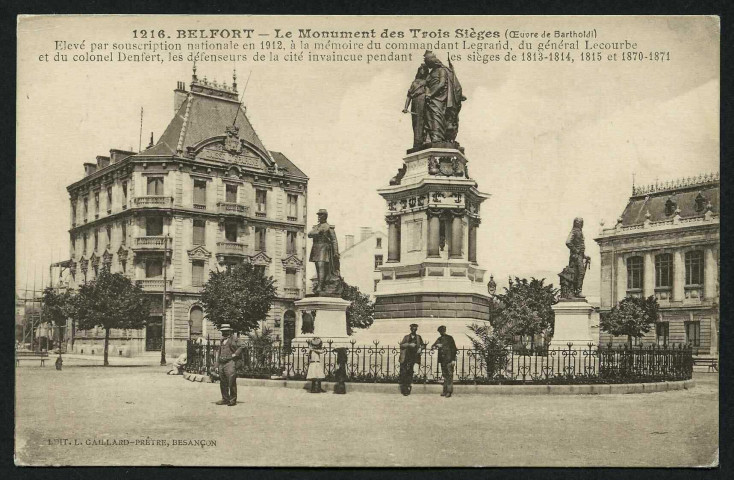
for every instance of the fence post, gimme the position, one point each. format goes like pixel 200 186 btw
pixel 206 356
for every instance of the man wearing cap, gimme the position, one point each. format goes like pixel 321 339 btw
pixel 447 358
pixel 228 352
pixel 410 353
pixel 324 252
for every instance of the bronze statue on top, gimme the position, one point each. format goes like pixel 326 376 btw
pixel 325 254
pixel 572 276
pixel 435 98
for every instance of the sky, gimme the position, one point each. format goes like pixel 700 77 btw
pixel 549 141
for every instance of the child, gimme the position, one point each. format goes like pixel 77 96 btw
pixel 341 371
pixel 59 361
pixel 315 366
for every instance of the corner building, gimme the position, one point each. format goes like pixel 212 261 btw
pixel 207 195
pixel 666 244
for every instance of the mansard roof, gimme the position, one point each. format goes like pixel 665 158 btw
pixel 285 164
pixel 682 194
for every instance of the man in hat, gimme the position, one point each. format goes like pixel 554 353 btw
pixel 324 253
pixel 230 350
pixel 447 358
pixel 410 353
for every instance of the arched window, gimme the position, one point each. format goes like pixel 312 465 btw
pixel 670 206
pixel 196 321
pixel 700 202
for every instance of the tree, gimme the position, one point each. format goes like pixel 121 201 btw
pixel 58 307
pixel 361 312
pixel 525 308
pixel 240 296
pixel 111 301
pixel 632 316
pixel 490 342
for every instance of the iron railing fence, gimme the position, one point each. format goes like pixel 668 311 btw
pixel 380 363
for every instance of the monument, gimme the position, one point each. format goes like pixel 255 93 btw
pixel 573 312
pixel 431 276
pixel 323 314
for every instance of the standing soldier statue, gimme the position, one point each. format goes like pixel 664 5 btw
pixel 572 277
pixel 325 254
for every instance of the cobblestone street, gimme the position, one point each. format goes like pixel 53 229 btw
pixel 140 416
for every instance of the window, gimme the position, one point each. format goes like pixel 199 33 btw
pixel 73 213
pixel 230 231
pixel 123 226
pixel 260 239
pixel 84 252
pixel 153 226
pixel 700 202
pixel 664 271
pixel 231 194
pixel 662 333
pixel 200 193
pixel 290 245
pixel 693 333
pixel 108 229
pixel 378 261
pixel 153 268
pixel 292 206
pixel 197 273
pixel 96 270
pixel 86 209
pixel 634 273
pixel 260 269
pixel 124 267
pixel 694 268
pixel 261 197
pixel 124 195
pixel 670 207
pixel 109 199
pixel 290 277
pixel 199 232
pixel 96 204
pixel 155 185
pixel 379 242
pixel 96 240
pixel 196 321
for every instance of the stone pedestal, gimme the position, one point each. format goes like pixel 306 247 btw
pixel 329 315
pixel 572 324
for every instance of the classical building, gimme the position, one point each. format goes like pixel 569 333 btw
pixel 360 261
pixel 666 244
pixel 207 195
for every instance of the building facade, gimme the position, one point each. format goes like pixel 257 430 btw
pixel 666 244
pixel 207 195
pixel 360 261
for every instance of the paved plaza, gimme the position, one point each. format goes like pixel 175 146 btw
pixel 140 416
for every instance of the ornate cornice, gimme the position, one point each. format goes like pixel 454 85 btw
pixel 260 258
pixel 199 253
pixel 292 262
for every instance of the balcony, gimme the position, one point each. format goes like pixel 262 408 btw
pixel 232 208
pixel 152 244
pixel 291 292
pixel 231 248
pixel 153 284
pixel 153 201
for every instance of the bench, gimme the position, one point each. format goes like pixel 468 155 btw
pixel 30 356
pixel 711 362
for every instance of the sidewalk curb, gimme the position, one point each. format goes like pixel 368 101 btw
pixel 596 389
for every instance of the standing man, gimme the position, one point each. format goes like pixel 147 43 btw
pixel 325 254
pixel 410 353
pixel 447 358
pixel 578 262
pixel 228 352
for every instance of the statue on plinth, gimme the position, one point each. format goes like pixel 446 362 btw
pixel 572 276
pixel 325 254
pixel 435 98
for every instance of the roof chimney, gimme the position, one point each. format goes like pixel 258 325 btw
pixel 102 161
pixel 89 168
pixel 179 95
pixel 364 232
pixel 348 241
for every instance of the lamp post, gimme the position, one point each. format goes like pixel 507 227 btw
pixel 163 312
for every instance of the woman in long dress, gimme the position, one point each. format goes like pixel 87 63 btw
pixel 315 364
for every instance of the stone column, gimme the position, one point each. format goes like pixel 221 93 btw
pixel 679 276
pixel 457 234
pixel 621 279
pixel 710 273
pixel 434 228
pixel 648 276
pixel 473 224
pixel 393 238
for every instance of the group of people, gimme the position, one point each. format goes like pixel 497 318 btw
pixel 411 349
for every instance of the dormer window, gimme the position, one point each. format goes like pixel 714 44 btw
pixel 700 202
pixel 670 207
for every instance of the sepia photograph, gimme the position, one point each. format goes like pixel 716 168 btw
pixel 367 241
